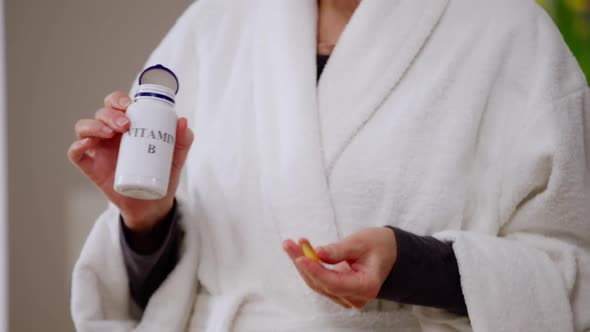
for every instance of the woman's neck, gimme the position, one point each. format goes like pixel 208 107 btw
pixel 333 15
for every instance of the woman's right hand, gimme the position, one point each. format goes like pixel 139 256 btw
pixel 95 154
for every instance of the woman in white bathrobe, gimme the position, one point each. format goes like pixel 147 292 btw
pixel 467 120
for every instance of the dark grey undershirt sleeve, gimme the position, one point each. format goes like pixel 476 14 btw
pixel 150 257
pixel 425 273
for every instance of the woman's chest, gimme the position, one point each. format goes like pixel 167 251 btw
pixel 411 162
pixel 427 149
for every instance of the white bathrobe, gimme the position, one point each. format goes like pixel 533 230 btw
pixel 465 119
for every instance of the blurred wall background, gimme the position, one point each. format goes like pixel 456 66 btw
pixel 3 184
pixel 63 57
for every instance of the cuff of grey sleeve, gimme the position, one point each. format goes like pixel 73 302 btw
pixel 425 273
pixel 149 266
pixel 147 244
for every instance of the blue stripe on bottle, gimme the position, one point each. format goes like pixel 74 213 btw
pixel 155 95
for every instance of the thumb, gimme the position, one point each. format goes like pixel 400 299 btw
pixel 184 140
pixel 347 249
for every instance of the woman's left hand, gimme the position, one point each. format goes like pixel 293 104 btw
pixel 360 263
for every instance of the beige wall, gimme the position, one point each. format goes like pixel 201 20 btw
pixel 63 56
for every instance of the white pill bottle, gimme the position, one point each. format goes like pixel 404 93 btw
pixel 147 148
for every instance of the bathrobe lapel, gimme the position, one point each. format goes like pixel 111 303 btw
pixel 301 127
pixel 293 177
pixel 377 47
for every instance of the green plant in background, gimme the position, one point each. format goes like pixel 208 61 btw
pixel 573 19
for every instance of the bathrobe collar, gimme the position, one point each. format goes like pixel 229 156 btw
pixel 374 51
pixel 304 126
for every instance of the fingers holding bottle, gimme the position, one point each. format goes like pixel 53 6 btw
pixel 134 152
pixel 115 119
pixel 80 153
pixel 108 120
pixel 95 151
pixel 117 100
pixel 86 128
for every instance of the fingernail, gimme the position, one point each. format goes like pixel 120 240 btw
pixel 107 130
pixel 84 141
pixel 122 122
pixel 124 102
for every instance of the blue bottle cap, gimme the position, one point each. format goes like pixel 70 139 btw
pixel 160 75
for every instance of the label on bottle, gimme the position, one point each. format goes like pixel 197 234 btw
pixel 147 134
pixel 146 151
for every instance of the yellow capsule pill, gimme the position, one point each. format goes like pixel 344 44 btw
pixel 308 251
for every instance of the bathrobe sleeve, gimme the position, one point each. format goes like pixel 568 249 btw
pixel 101 298
pixel 533 274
